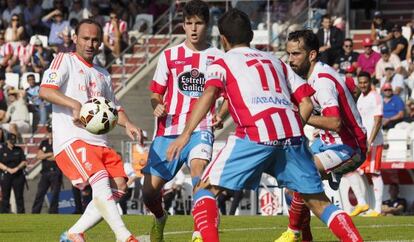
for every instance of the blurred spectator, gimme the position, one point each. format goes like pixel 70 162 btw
pixel 330 39
pixel 409 108
pixel 35 104
pixel 132 177
pixel 227 195
pixel 394 205
pixel 172 189
pixel 396 80
pixel 115 34
pixel 399 43
pixel 6 52
pixel 60 5
pixel 32 14
pixel 16 120
pixel 347 57
pixel 368 60
pixel 96 15
pixel 3 100
pixel 12 163
pixel 54 20
pixel 381 31
pixel 78 11
pixel 21 61
pixel 12 8
pixel 253 9
pixel 67 45
pixel 51 176
pixel 41 57
pixel 387 60
pixel 393 107
pixel 14 31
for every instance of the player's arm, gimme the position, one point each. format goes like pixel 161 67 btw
pixel 199 111
pixel 219 117
pixel 375 129
pixel 158 105
pixel 305 109
pixel 131 130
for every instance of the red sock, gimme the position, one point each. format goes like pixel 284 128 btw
pixel 343 227
pixel 205 214
pixel 295 212
pixel 155 207
pixel 306 230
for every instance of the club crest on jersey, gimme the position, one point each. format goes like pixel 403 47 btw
pixel 191 83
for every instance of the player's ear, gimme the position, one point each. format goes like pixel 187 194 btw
pixel 75 38
pixel 225 43
pixel 313 55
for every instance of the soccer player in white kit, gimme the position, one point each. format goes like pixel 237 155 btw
pixel 370 106
pixel 72 79
pixel 269 104
pixel 178 83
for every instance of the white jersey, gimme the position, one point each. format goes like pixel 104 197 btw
pixel 80 80
pixel 180 78
pixel 370 106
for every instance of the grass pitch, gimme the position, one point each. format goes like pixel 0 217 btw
pixel 44 228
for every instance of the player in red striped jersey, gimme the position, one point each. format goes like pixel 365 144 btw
pixel 178 83
pixel 342 146
pixel 269 104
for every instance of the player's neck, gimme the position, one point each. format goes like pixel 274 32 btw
pixel 196 47
pixel 312 66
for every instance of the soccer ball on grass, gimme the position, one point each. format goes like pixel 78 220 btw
pixel 99 115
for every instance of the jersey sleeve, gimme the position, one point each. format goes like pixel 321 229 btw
pixel 378 105
pixel 159 82
pixel 299 88
pixel 327 96
pixel 58 72
pixel 216 74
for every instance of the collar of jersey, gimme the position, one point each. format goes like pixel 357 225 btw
pixel 83 60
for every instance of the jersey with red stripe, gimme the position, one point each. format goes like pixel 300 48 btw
pixel 369 106
pixel 109 30
pixel 74 77
pixel 263 94
pixel 180 78
pixel 333 98
pixel 6 49
pixel 24 53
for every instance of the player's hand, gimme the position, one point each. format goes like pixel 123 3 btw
pixel 175 148
pixel 217 122
pixel 160 110
pixel 76 114
pixel 133 132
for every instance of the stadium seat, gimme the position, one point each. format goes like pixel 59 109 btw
pixel 397 140
pixel 23 79
pixel 142 19
pixel 42 38
pixel 12 79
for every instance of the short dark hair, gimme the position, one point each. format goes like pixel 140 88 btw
pixel 364 74
pixel 89 21
pixel 349 39
pixel 326 16
pixel 235 26
pixel 30 75
pixel 310 40
pixel 196 8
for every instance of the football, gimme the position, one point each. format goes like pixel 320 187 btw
pixel 99 115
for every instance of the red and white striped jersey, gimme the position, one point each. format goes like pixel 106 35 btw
pixel 333 98
pixel 6 49
pixel 24 53
pixel 263 94
pixel 180 78
pixel 369 106
pixel 109 30
pixel 74 77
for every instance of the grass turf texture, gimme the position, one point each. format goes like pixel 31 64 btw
pixel 239 228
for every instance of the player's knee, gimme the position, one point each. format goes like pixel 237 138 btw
pixel 197 167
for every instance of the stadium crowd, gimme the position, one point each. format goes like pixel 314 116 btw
pixel 387 55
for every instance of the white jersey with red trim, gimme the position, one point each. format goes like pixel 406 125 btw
pixel 80 80
pixel 333 98
pixel 369 106
pixel 180 78
pixel 263 94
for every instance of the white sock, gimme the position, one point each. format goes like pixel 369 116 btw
pixel 355 181
pixel 378 186
pixel 104 202
pixel 91 216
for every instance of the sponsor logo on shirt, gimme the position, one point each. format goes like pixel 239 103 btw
pixel 191 83
pixel 274 100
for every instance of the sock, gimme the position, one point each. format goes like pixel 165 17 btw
pixel 355 181
pixel 91 216
pixel 194 182
pixel 378 187
pixel 104 202
pixel 205 214
pixel 155 206
pixel 340 224
pixel 296 208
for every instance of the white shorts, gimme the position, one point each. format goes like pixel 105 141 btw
pixel 22 126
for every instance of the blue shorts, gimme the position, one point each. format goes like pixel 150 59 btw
pixel 200 146
pixel 340 158
pixel 241 162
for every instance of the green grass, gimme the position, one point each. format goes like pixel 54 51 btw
pixel 239 228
